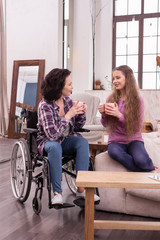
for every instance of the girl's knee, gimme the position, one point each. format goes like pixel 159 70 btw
pixel 113 152
pixel 144 162
pixel 116 156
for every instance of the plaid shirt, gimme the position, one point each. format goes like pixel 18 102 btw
pixel 51 126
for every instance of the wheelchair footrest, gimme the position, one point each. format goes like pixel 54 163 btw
pixel 80 202
pixel 64 205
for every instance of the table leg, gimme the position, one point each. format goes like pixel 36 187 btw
pixel 89 214
pixel 93 154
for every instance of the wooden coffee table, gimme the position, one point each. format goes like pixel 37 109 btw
pixel 96 148
pixel 92 179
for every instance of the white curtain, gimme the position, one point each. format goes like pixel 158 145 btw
pixel 3 76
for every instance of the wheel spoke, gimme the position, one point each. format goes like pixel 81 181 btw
pixel 70 166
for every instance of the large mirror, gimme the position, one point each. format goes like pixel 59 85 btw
pixel 26 93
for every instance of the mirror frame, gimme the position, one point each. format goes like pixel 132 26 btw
pixel 16 65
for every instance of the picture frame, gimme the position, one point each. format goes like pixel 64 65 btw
pixel 105 138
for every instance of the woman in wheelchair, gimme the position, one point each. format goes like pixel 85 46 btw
pixel 58 119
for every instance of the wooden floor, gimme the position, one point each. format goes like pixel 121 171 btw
pixel 19 222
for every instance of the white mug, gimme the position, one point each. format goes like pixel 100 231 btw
pixel 109 104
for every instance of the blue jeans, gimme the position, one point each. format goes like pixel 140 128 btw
pixel 133 156
pixel 72 145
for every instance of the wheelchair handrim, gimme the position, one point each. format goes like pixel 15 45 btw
pixel 18 173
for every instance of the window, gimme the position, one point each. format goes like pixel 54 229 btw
pixel 136 39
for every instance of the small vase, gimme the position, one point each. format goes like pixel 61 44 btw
pixel 98 86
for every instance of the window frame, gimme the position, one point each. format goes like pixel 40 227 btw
pixel 125 18
pixel 68 23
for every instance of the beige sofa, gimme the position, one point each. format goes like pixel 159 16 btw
pixel 143 202
pixel 92 120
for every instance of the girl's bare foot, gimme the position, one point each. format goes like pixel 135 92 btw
pixel 156 170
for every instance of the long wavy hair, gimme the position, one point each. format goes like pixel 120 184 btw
pixel 132 113
pixel 53 83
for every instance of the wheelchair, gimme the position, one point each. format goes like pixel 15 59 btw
pixel 25 161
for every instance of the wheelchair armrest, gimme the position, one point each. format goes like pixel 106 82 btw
pixel 82 130
pixel 30 130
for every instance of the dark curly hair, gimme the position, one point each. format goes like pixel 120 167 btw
pixel 53 83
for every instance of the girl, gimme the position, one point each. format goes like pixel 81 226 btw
pixel 123 114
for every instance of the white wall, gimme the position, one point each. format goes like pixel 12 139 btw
pixel 82 73
pixel 34 31
pixel 81 46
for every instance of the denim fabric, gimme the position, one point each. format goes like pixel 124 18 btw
pixel 133 156
pixel 71 145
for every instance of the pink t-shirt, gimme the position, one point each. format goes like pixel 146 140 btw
pixel 118 134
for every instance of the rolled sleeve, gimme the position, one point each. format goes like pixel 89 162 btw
pixel 121 119
pixel 80 120
pixel 103 121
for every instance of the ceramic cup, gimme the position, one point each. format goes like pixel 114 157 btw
pixel 80 104
pixel 109 104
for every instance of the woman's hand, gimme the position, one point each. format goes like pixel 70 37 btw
pixel 112 110
pixel 84 107
pixel 77 108
pixel 81 107
pixel 101 109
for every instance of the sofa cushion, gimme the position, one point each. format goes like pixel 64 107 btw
pixel 94 127
pixel 142 207
pixel 150 194
pixel 92 103
pixel 93 136
pixel 112 199
pixel 152 145
pixel 103 162
pixel 97 121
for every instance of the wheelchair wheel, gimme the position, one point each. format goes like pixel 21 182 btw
pixel 36 204
pixel 21 170
pixel 71 181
